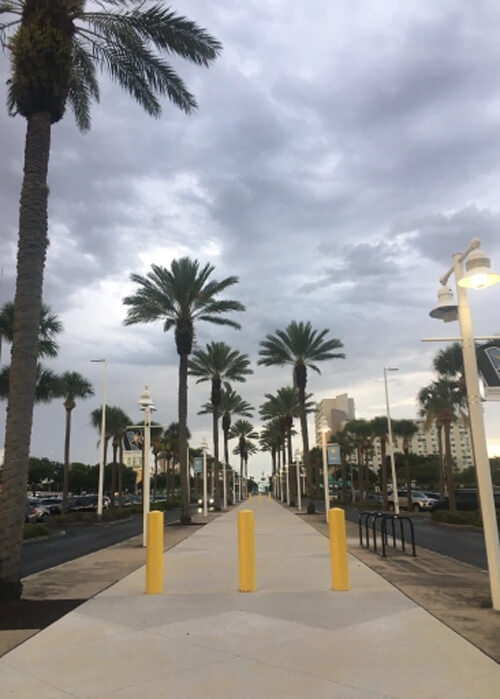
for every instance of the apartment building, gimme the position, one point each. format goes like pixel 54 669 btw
pixel 336 411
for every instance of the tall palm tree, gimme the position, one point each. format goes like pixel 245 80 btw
pixel 72 385
pixel 360 432
pixel 406 430
pixel 217 363
pixel 231 404
pixel 380 430
pixel 269 440
pixel 347 448
pixel 117 426
pixel 96 422
pixel 442 402
pixel 244 432
pixel 170 440
pixel 180 296
pixel 301 347
pixel 56 47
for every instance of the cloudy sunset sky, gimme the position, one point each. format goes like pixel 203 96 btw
pixel 341 152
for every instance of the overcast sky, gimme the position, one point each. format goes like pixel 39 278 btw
pixel 342 151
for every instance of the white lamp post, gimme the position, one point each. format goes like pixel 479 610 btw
pixel 204 447
pixel 287 477
pixel 146 404
pixel 391 443
pixel 297 469
pixel 324 429
pixel 478 276
pixel 102 443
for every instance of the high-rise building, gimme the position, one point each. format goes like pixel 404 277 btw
pixel 336 411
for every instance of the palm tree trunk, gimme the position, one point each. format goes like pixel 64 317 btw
pixel 383 465
pixel 155 475
pixel 215 436
pixel 450 480
pixel 408 477
pixel 292 475
pixel 183 373
pixel 226 458
pixel 120 473
pixel 32 248
pixel 67 435
pixel 241 477
pixel 441 461
pixel 114 467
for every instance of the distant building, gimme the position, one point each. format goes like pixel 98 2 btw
pixel 336 411
pixel 425 443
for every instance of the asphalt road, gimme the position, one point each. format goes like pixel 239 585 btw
pixel 79 541
pixel 465 545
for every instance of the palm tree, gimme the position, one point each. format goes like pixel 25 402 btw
pixel 170 439
pixel 442 402
pixel 46 384
pixel 231 404
pixel 117 422
pixel 360 432
pixel 406 429
pixel 55 47
pixel 180 296
pixel 271 440
pixel 302 347
pixel 96 422
pixel 380 430
pixel 285 405
pixel 217 363
pixel 347 448
pixel 48 328
pixel 243 431
pixel 71 386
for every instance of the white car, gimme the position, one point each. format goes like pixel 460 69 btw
pixel 420 502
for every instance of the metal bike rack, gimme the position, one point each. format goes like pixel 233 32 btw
pixel 371 517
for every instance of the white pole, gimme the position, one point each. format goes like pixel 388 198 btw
pixel 102 444
pixel 325 474
pixel 490 526
pixel 224 485
pixel 205 494
pixel 189 475
pixel 234 486
pixel 145 475
pixel 391 447
pixel 287 473
pixel 299 496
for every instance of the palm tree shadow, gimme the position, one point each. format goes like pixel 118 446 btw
pixel 34 614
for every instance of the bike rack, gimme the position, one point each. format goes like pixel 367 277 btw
pixel 368 517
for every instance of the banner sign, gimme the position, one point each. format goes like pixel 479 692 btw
pixel 197 464
pixel 488 360
pixel 133 440
pixel 333 455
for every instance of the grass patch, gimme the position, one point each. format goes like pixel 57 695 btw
pixel 471 518
pixel 33 530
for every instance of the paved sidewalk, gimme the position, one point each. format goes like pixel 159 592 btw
pixel 292 638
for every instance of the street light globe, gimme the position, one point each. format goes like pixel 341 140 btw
pixel 145 400
pixel 325 427
pixel 478 274
pixel 204 444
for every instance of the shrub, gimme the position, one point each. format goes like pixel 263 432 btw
pixel 470 517
pixel 35 529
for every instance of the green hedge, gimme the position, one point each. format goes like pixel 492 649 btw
pixel 34 530
pixel 472 518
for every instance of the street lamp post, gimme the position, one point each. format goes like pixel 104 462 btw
pixel 324 429
pixel 146 405
pixel 102 443
pixel 391 443
pixel 478 276
pixel 297 469
pixel 204 447
pixel 287 478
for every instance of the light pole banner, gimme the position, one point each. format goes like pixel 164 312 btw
pixel 333 455
pixel 197 464
pixel 488 360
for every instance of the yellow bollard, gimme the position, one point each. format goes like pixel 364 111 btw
pixel 154 553
pixel 246 551
pixel 338 549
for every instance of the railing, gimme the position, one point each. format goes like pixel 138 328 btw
pixel 369 519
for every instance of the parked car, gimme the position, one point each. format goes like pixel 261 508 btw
pixel 29 512
pixel 52 504
pixel 420 502
pixel 466 500
pixel 39 510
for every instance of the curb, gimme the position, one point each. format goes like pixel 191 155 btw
pixel 34 539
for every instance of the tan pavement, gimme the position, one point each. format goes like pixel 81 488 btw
pixel 293 637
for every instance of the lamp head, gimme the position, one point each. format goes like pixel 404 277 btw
pixel 478 273
pixel 446 309
pixel 204 444
pixel 145 399
pixel 325 427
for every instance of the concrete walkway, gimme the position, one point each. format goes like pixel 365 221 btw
pixel 292 638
